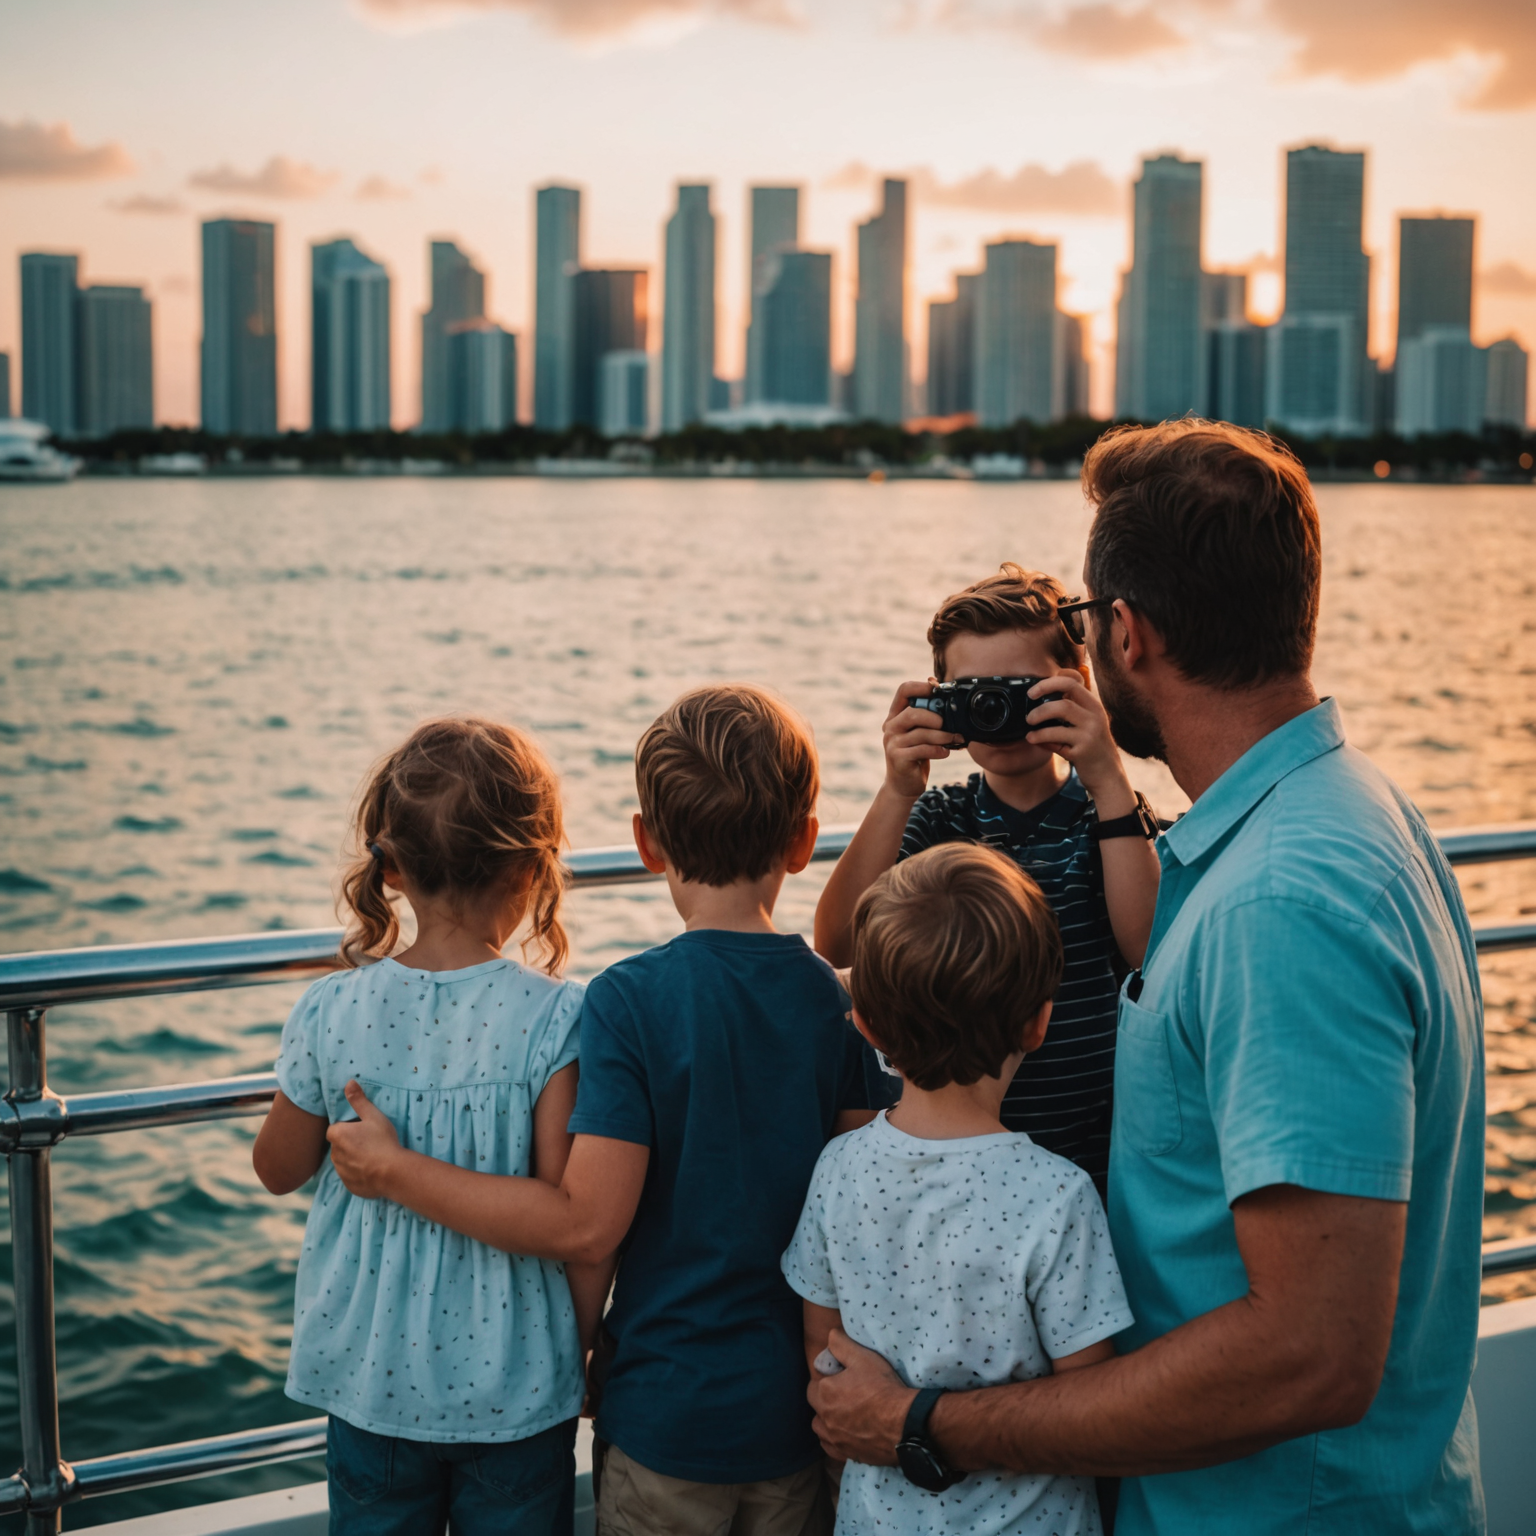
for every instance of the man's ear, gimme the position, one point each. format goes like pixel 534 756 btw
pixel 650 852
pixel 803 846
pixel 1136 639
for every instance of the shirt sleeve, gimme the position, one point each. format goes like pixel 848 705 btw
pixel 613 1097
pixel 298 1057
pixel 1309 1048
pixel 560 1037
pixel 807 1264
pixel 1072 1281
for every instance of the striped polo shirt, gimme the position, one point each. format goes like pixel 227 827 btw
pixel 1063 1094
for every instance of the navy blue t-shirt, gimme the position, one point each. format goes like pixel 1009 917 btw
pixel 729 1056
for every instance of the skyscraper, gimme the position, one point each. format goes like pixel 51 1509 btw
pixel 1509 368
pixel 116 370
pixel 1442 382
pixel 481 376
pixel 1234 351
pixel 952 350
pixel 239 345
pixel 1319 380
pixel 1434 274
pixel 49 302
pixel 610 316
pixel 458 295
pixel 1017 377
pixel 688 311
pixel 1070 391
pixel 1159 373
pixel 624 394
pixel 350 351
pixel 775 225
pixel 793 323
pixel 880 312
pixel 557 257
pixel 5 385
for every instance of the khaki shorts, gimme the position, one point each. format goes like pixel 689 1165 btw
pixel 634 1501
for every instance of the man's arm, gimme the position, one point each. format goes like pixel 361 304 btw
pixel 1302 1351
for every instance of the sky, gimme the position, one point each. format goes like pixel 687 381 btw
pixel 125 122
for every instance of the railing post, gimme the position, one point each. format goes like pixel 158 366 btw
pixel 49 1481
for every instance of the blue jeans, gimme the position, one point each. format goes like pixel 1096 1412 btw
pixel 382 1486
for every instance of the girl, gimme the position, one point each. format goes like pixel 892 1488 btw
pixel 452 1373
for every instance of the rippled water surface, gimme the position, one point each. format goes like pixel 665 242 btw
pixel 194 676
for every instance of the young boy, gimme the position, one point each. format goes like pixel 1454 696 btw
pixel 964 1254
pixel 1043 802
pixel 714 1069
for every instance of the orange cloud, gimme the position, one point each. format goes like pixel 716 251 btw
pixel 1083 188
pixel 379 189
pixel 31 152
pixel 589 19
pixel 279 177
pixel 1507 279
pixel 1107 32
pixel 145 202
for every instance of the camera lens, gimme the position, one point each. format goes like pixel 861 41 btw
pixel 989 709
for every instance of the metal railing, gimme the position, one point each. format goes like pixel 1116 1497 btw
pixel 34 1120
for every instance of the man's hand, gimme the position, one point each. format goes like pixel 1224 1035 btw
pixel 913 739
pixel 861 1410
pixel 364 1150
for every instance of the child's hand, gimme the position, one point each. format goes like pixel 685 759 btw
pixel 912 742
pixel 363 1150
pixel 1076 728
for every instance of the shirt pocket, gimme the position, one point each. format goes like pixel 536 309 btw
pixel 1146 1095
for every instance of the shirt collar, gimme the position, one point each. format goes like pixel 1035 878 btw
pixel 1251 777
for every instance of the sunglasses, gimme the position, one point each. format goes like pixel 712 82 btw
pixel 1071 615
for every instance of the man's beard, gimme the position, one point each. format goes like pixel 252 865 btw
pixel 1131 722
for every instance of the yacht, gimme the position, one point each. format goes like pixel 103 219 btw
pixel 24 455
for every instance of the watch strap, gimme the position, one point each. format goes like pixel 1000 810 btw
pixel 1142 822
pixel 921 1410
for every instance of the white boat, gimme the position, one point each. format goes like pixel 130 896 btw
pixel 25 456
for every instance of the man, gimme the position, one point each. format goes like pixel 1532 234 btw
pixel 1297 1149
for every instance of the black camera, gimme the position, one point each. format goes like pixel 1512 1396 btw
pixel 992 710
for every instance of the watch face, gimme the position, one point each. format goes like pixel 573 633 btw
pixel 921 1467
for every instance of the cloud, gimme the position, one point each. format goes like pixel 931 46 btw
pixel 147 202
pixel 31 152
pixel 1082 188
pixel 1508 280
pixel 432 177
pixel 379 189
pixel 1362 40
pixel 279 177
pixel 587 19
pixel 1107 32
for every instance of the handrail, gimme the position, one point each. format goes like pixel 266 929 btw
pixel 33 1120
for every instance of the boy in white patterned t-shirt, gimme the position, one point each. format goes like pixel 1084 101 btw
pixel 963 1253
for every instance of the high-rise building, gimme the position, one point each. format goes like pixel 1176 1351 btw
pixel 610 316
pixel 5 385
pixel 793 323
pixel 1434 274
pixel 1319 380
pixel 880 312
pixel 1234 351
pixel 1070 392
pixel 115 362
pixel 350 351
pixel 49 350
pixel 1509 369
pixel 775 226
pixel 1017 377
pixel 1442 382
pixel 557 257
pixel 481 369
pixel 624 394
pixel 688 311
pixel 458 295
pixel 239 345
pixel 951 389
pixel 1160 366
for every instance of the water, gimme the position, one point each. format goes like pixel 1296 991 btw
pixel 194 677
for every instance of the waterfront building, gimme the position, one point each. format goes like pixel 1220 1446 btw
pixel 557 258
pixel 610 315
pixel 1442 382
pixel 1071 390
pixel 1509 369
pixel 1159 359
pixel 239 342
pixel 458 295
pixel 1017 377
pixel 481 377
pixel 688 311
pixel 880 311
pixel 1319 380
pixel 794 328
pixel 5 385
pixel 774 215
pixel 1434 274
pixel 349 347
pixel 951 383
pixel 49 310
pixel 624 394
pixel 1234 351
pixel 115 366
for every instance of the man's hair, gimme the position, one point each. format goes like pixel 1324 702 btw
pixel 1209 531
pixel 955 950
pixel 727 777
pixel 1012 599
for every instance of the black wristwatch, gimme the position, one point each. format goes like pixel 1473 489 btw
pixel 1142 822
pixel 916 1454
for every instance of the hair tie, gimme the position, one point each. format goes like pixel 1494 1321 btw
pixel 376 852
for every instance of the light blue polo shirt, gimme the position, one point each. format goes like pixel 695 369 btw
pixel 1308 1013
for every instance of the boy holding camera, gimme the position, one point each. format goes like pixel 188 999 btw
pixel 964 1254
pixel 1052 796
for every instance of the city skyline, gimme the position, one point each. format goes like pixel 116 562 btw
pixel 393 138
